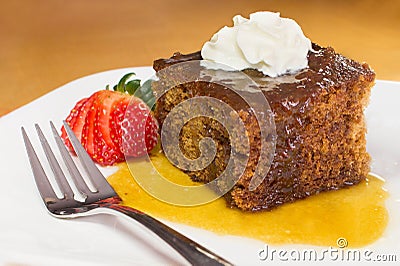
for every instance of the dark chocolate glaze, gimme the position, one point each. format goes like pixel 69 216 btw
pixel 325 69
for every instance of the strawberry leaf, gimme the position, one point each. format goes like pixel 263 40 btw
pixel 122 82
pixel 133 87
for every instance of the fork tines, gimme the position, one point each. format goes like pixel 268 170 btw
pixel 76 189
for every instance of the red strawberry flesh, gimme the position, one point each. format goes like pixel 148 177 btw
pixel 113 125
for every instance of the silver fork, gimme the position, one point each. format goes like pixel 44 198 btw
pixel 102 198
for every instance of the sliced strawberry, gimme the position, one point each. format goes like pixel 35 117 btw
pixel 71 120
pixel 87 137
pixel 140 129
pixel 116 117
pixel 80 120
pixel 106 152
pixel 135 127
pixel 151 132
pixel 112 125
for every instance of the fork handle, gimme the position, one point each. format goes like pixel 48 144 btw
pixel 190 250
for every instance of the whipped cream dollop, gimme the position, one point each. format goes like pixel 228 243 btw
pixel 265 41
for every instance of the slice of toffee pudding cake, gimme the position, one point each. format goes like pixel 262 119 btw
pixel 317 98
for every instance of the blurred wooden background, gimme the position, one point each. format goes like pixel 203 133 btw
pixel 47 43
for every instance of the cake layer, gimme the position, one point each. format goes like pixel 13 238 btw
pixel 319 122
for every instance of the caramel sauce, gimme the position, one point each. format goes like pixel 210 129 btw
pixel 357 214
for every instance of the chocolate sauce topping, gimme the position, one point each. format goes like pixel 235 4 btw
pixel 325 68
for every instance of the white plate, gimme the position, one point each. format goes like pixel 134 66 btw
pixel 29 236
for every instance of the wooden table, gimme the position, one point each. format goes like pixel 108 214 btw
pixel 47 43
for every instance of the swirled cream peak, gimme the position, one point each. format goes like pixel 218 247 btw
pixel 265 41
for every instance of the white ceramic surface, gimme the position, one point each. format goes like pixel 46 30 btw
pixel 29 236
